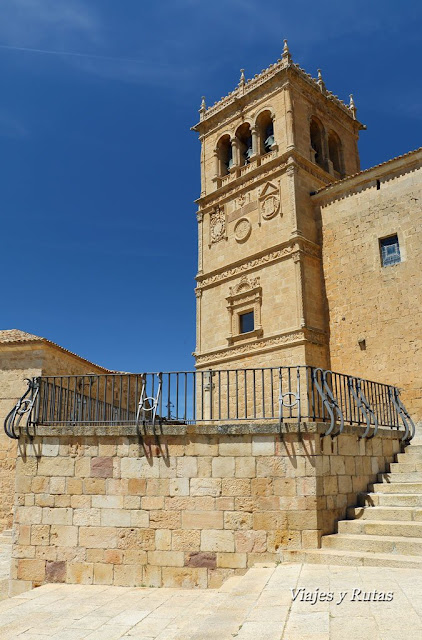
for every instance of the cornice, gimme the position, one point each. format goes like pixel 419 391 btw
pixel 284 340
pixel 274 254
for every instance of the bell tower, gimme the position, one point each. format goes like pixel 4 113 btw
pixel 265 148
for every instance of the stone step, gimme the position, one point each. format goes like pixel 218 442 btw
pixel 408 457
pixel 373 544
pixel 396 514
pixel 353 558
pixel 414 448
pixel 381 528
pixel 396 487
pixel 413 477
pixel 371 499
pixel 405 467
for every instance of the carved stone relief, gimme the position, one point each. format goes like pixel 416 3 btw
pixel 217 225
pixel 242 230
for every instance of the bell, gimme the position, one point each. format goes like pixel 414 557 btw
pixel 269 142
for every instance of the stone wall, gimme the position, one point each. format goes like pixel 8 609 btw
pixel 366 301
pixel 188 508
pixel 17 362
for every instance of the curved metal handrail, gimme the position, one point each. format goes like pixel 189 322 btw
pixel 24 405
pixel 328 400
pixel 363 406
pixel 408 423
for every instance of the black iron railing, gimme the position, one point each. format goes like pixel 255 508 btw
pixel 282 394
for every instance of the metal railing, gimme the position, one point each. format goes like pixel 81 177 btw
pixel 282 394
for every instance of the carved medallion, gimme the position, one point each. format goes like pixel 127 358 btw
pixel 217 225
pixel 270 206
pixel 242 230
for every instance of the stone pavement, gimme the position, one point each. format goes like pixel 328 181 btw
pixel 256 606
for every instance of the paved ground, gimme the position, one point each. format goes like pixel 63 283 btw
pixel 257 606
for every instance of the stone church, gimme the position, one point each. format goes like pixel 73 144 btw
pixel 303 258
pixel 305 264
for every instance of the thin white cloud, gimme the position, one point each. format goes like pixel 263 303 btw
pixel 56 23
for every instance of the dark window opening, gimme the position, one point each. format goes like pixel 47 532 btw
pixel 378 184
pixel 246 322
pixel 244 137
pixel 390 251
pixel 316 143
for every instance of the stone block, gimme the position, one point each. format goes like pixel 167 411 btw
pixel 262 486
pixel 223 467
pixel 217 540
pixel 137 486
pixel 102 467
pixel 236 487
pixel 245 467
pixel 112 556
pixel 202 520
pixel 163 540
pixel 235 446
pixel 115 518
pixel 141 539
pixel 283 539
pixel 31 569
pixel 205 487
pixel 186 540
pixel 139 468
pixel 268 520
pixel 284 486
pixel 165 520
pixel 237 520
pixel 202 559
pixel 152 576
pixel 134 556
pixel 139 519
pixel 179 487
pixel 28 515
pixel 57 466
pixel 57 516
pixel 103 573
pixel 74 486
pixel 158 487
pixel 250 541
pixel 95 486
pixel 87 517
pixel 55 571
pixel 263 445
pixel 231 560
pixel 98 537
pixel 80 572
pixel 186 577
pixel 166 558
pixel 187 467
pixel 63 536
pixel 131 502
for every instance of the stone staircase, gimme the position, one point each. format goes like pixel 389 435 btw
pixel 386 529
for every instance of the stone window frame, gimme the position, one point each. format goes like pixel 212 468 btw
pixel 245 298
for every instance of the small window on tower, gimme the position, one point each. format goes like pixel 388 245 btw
pixel 390 251
pixel 246 322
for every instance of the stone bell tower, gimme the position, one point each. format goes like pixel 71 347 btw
pixel 264 148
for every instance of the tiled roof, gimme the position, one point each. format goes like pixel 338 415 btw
pixel 16 336
pixel 364 171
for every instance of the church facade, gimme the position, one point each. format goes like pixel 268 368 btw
pixel 303 258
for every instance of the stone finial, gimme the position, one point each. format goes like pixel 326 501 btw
pixel 286 52
pixel 352 106
pixel 320 81
pixel 203 107
pixel 242 78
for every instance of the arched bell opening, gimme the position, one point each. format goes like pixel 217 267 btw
pixel 265 128
pixel 317 142
pixel 244 138
pixel 335 153
pixel 224 155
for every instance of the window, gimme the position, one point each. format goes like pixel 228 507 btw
pixel 244 137
pixel 390 251
pixel 246 322
pixel 265 130
pixel 317 145
pixel 334 152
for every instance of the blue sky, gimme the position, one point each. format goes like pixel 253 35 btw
pixel 100 168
